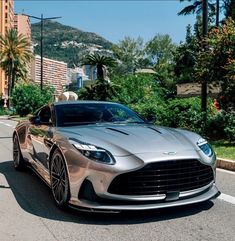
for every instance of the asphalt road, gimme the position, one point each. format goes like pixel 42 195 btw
pixel 27 212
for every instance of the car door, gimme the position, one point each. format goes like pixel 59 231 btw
pixel 40 132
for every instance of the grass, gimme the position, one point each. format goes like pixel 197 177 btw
pixel 224 149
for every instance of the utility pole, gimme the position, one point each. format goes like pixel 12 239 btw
pixel 204 80
pixel 217 13
pixel 41 41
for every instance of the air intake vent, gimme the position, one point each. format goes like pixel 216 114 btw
pixel 122 132
pixel 163 177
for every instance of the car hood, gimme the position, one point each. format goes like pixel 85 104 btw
pixel 123 140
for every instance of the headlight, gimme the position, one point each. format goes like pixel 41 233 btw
pixel 94 153
pixel 205 147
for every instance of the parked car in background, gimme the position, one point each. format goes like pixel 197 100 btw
pixel 102 156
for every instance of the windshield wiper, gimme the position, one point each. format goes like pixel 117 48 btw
pixel 136 122
pixel 79 123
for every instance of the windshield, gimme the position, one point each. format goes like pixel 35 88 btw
pixel 95 113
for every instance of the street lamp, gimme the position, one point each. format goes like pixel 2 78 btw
pixel 41 41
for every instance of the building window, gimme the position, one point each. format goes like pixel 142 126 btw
pixel 6 15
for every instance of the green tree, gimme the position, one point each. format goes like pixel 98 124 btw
pixel 185 58
pixel 15 55
pixel 27 97
pixel 130 55
pixel 101 90
pixel 100 61
pixel 160 52
pixel 217 61
pixel 160 49
pixel 229 6
pixel 196 7
pixel 137 88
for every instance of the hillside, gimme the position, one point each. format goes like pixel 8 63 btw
pixel 66 43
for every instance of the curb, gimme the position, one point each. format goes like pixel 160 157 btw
pixel 4 117
pixel 226 164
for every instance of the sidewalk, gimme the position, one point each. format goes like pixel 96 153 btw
pixel 4 117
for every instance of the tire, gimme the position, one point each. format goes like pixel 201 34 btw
pixel 59 180
pixel 18 159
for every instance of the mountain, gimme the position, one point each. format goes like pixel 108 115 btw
pixel 68 44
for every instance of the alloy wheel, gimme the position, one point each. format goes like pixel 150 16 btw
pixel 59 180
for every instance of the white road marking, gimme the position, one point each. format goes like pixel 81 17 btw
pixel 227 198
pixel 226 171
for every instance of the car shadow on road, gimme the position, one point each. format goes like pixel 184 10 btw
pixel 35 197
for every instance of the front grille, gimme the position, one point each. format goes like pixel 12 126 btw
pixel 163 177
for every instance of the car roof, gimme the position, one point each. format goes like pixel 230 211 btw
pixel 83 102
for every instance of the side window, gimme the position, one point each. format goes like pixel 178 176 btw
pixel 45 116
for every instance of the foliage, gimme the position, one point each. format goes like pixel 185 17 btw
pixel 102 90
pixel 230 126
pixel 217 61
pixel 4 111
pixel 222 126
pixel 15 54
pixel 100 61
pixel 196 8
pixel 229 6
pixel 184 113
pixel 27 98
pixel 160 53
pixel 185 58
pixel 66 43
pixel 137 88
pixel 130 54
pixel 160 49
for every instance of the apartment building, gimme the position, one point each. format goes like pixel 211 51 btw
pixel 6 22
pixel 22 25
pixel 54 73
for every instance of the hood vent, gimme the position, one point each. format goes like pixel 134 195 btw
pixel 122 132
pixel 154 129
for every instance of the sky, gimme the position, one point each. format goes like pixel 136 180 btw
pixel 114 20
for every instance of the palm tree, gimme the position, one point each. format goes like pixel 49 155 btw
pixel 196 7
pixel 100 61
pixel 15 55
pixel 229 6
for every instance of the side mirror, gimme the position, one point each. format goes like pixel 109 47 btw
pixel 151 119
pixel 35 120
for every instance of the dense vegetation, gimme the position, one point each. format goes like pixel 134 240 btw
pixel 27 98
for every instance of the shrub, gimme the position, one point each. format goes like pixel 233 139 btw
pixel 4 111
pixel 222 126
pixel 138 89
pixel 182 113
pixel 230 126
pixel 27 98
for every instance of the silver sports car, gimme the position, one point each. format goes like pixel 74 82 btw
pixel 102 156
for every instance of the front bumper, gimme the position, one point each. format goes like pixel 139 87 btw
pixel 209 193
